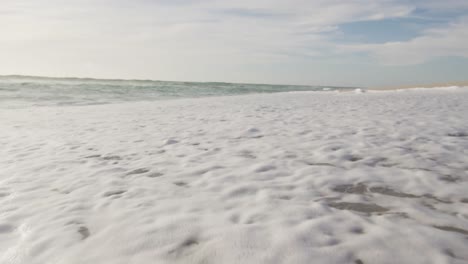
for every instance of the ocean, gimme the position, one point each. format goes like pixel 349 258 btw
pixel 26 91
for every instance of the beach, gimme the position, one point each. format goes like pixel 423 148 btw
pixel 297 177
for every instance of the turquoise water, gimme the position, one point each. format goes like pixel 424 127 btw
pixel 23 91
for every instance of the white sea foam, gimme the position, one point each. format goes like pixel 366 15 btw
pixel 280 178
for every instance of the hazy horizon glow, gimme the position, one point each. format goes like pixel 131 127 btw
pixel 353 43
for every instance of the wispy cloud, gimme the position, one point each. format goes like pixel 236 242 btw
pixel 449 40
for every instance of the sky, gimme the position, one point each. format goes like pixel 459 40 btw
pixel 317 42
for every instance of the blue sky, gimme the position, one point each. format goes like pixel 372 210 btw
pixel 327 42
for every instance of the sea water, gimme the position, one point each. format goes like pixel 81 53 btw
pixel 24 91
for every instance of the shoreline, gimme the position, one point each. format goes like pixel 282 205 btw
pixel 432 85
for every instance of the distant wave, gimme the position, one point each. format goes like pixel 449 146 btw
pixel 23 91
